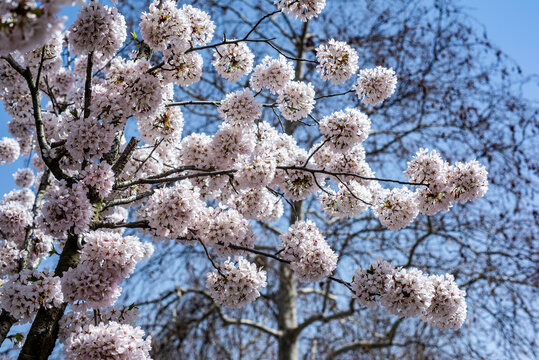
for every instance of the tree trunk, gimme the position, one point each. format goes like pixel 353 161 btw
pixel 286 304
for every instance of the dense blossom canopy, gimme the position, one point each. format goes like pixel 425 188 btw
pixel 91 183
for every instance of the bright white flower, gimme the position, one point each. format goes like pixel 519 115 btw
pixel 240 108
pixel 145 95
pixel 296 100
pixel 369 284
pixel 272 74
pixel 201 25
pixel 467 181
pixel 181 69
pixel 196 151
pixel 375 85
pixel 344 129
pixel 337 61
pixel 407 292
pixel 23 196
pixel 166 124
pixel 312 259
pixel 448 306
pixel 396 208
pixel 165 24
pixel 97 28
pixel 108 341
pixel 232 61
pixel 9 150
pixel 302 9
pixel 240 284
pixel 14 218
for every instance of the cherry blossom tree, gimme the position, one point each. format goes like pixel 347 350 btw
pixel 75 97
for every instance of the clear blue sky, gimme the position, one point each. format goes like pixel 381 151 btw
pixel 512 25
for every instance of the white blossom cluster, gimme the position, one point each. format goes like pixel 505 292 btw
pixel 24 293
pixel 26 25
pixel 375 85
pixel 14 218
pixel 271 74
pixel 223 229
pixel 165 24
pixel 66 208
pixel 108 341
pixel 182 69
pixel 9 150
pixel 240 108
pixel 395 208
pixel 410 292
pixel 344 129
pixel 165 125
pixel 229 142
pixel 467 181
pixel 258 203
pixel 202 27
pixel 97 28
pixel 24 177
pixel 76 321
pixel 254 172
pixel 236 283
pixel 296 100
pixel 350 201
pixel 232 61
pixel 10 255
pixel 170 211
pixel 98 176
pixel 446 183
pixel 107 258
pixel 337 61
pixel 301 9
pixel 312 259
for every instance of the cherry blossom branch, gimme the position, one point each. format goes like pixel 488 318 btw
pixel 44 146
pixel 321 171
pixel 332 95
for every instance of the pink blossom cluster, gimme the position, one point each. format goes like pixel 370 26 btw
pixel 254 172
pixel 257 203
pixel 183 69
pixel 170 211
pixel 223 229
pixel 9 150
pixel 106 259
pixel 233 61
pixel 337 61
pixel 301 9
pixel 25 292
pixel 108 341
pixel 26 25
pixel 296 100
pixel 165 24
pixel 349 201
pixel 344 129
pixel 24 177
pixel 271 74
pixel 76 321
pixel 375 85
pixel 410 292
pixel 312 259
pixel 99 177
pixel 66 208
pixel 240 108
pixel 97 28
pixel 395 208
pixel 236 283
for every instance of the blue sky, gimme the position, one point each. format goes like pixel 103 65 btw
pixel 511 25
